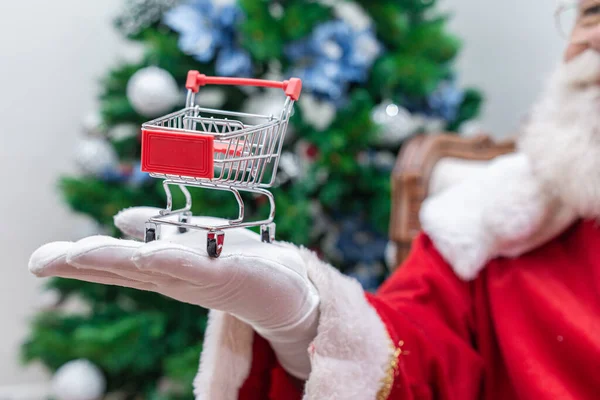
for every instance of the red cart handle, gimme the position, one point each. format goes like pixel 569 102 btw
pixel 291 87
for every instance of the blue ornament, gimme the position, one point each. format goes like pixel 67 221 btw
pixel 125 173
pixel 333 57
pixel 208 32
pixel 365 49
pixel 233 62
pixel 445 101
pixel 332 40
pixel 228 16
pixel 297 50
pixel 317 79
pixel 198 37
pixel 369 276
pixel 138 177
pixel 359 243
pixel 113 174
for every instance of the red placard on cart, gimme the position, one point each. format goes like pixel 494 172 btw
pixel 178 153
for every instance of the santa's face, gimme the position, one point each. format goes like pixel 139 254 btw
pixel 585 34
pixel 562 138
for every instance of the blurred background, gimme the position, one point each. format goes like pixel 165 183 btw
pixel 53 57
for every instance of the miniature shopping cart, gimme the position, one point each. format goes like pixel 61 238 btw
pixel 219 150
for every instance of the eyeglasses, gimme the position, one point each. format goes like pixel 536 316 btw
pixel 576 18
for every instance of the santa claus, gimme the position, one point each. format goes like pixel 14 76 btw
pixel 500 298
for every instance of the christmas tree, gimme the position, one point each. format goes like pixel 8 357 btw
pixel 374 73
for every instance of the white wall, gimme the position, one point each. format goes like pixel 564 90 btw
pixel 510 46
pixel 52 54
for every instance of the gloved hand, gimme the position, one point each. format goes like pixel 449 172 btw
pixel 264 285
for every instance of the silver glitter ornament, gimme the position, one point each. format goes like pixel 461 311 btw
pixel 152 91
pixel 138 15
pixel 395 123
pixel 78 380
pixel 95 155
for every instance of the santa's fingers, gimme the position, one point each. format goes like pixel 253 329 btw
pixel 249 257
pixel 50 260
pixel 184 263
pixel 107 254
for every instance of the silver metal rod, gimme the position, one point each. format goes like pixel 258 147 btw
pixel 236 223
pixel 184 190
pixel 188 196
pixel 227 225
pixel 233 113
pixel 240 132
pixel 169 198
pixel 189 101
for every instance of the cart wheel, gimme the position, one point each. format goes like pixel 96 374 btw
pixel 211 248
pixel 150 235
pixel 214 243
pixel 267 233
pixel 185 218
pixel 152 232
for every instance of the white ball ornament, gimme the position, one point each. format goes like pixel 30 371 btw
pixel 352 14
pixel 318 114
pixel 95 155
pixel 48 299
pixel 265 104
pixel 124 131
pixel 390 255
pixel 290 166
pixel 92 123
pixel 395 123
pixel 78 380
pixel 210 97
pixel 269 103
pixel 152 91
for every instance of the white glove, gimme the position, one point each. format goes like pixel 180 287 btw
pixel 264 285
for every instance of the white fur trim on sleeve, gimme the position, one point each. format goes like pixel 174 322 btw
pixel 501 211
pixel 226 358
pixel 350 356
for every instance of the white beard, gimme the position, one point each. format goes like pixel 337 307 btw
pixel 562 136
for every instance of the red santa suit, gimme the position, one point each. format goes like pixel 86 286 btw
pixel 478 311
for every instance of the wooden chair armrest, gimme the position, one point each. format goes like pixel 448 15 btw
pixel 412 174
